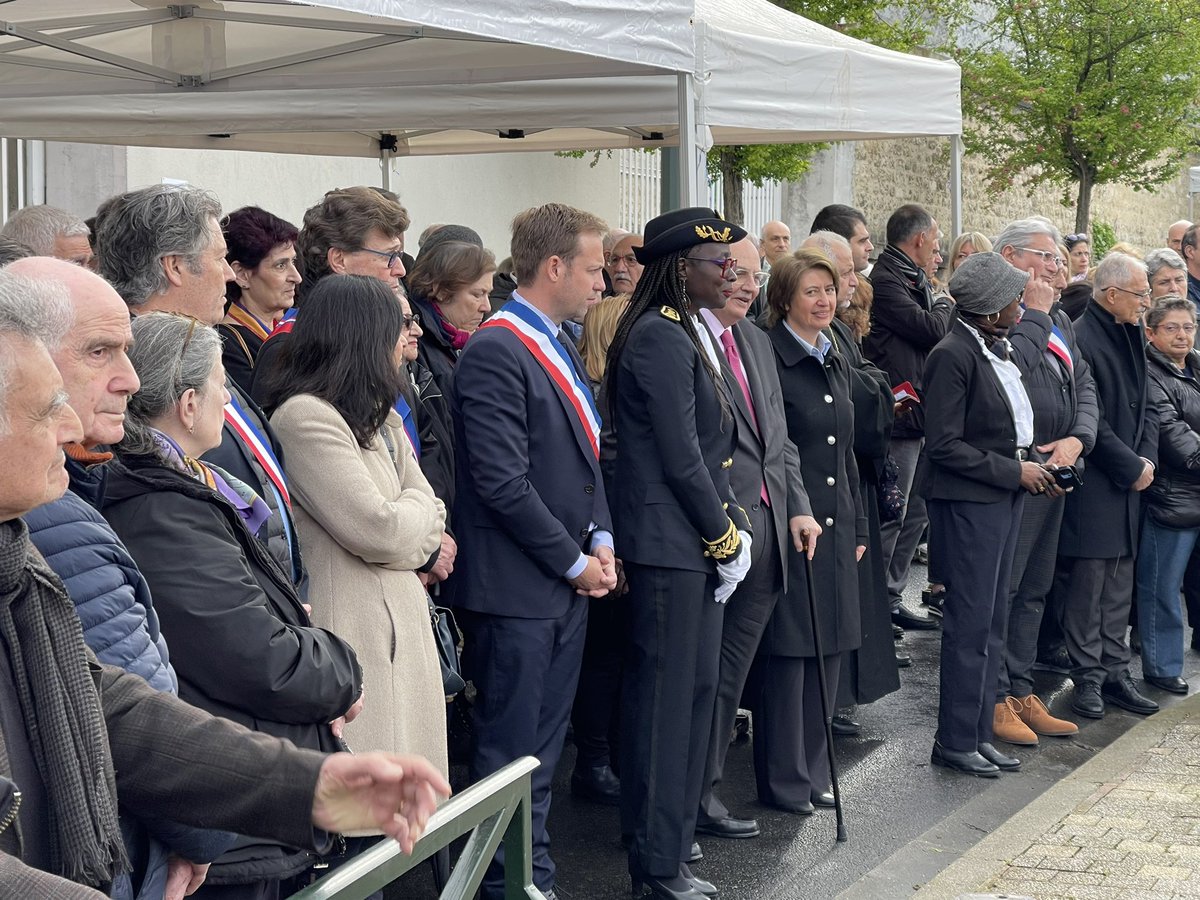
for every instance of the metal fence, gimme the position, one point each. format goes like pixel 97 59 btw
pixel 494 810
pixel 641 187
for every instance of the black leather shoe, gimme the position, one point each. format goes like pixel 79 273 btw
pixel 998 759
pixel 823 799
pixel 934 601
pixel 707 888
pixel 912 622
pixel 696 854
pixel 844 726
pixel 599 784
pixel 970 762
pixel 677 888
pixel 729 827
pixel 898 632
pixel 1087 700
pixel 1124 693
pixel 1057 660
pixel 1174 684
pixel 903 660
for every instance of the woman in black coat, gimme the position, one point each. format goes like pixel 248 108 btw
pixel 1171 513
pixel 790 752
pixel 978 432
pixel 241 640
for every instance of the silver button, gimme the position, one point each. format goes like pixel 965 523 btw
pixel 831 440
pixel 829 523
pixel 831 481
pixel 828 398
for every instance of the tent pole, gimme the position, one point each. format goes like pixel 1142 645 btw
pixel 385 164
pixel 689 184
pixel 956 201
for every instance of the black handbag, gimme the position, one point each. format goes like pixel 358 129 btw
pixel 446 636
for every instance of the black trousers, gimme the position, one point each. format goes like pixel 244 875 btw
pixel 596 714
pixel 976 543
pixel 524 672
pixel 1097 596
pixel 674 649
pixel 746 616
pixel 791 753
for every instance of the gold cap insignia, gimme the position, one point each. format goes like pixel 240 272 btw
pixel 669 312
pixel 727 463
pixel 708 233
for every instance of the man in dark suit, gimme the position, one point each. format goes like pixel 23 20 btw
pixel 766 479
pixel 534 526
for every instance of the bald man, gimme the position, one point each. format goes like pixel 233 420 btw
pixel 1175 234
pixel 776 241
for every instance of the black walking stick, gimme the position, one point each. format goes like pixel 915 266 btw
pixel 826 715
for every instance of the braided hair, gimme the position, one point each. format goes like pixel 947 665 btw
pixel 661 283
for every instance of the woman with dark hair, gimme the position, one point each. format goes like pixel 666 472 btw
pixel 367 517
pixel 684 539
pixel 1079 256
pixel 791 762
pixel 242 643
pixel 978 437
pixel 262 253
pixel 450 286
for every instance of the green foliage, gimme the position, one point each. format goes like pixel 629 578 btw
pixel 1103 237
pixel 1076 94
pixel 759 163
pixel 905 25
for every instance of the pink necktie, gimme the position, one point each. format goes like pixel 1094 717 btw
pixel 735 364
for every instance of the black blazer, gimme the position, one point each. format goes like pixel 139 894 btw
pixel 763 453
pixel 1101 518
pixel 1173 499
pixel 528 483
pixel 674 450
pixel 970 439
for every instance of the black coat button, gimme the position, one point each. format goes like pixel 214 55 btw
pixel 589 489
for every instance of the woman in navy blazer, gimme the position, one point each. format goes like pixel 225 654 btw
pixel 978 432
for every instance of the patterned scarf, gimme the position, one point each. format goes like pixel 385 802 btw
pixel 457 337
pixel 62 713
pixel 911 271
pixel 251 507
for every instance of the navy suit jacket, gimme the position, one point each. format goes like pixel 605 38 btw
pixel 528 483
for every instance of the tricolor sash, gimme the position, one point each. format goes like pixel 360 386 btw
pixel 553 357
pixel 238 315
pixel 1059 347
pixel 262 451
pixel 284 325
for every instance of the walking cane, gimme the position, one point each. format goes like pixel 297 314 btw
pixel 825 712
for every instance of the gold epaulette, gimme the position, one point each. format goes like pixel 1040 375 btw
pixel 669 312
pixel 726 546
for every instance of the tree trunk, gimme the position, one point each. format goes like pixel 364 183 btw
pixel 1083 204
pixel 732 184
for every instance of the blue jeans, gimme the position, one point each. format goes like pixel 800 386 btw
pixel 1162 559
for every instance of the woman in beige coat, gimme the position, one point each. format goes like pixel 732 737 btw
pixel 367 517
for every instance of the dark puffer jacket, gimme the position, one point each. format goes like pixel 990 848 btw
pixel 1173 498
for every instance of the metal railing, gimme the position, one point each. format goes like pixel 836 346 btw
pixel 494 810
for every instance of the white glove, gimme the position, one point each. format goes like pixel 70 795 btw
pixel 731 573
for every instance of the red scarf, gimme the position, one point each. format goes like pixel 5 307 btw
pixel 458 338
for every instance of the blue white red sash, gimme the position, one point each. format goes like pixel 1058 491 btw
pixel 1059 347
pixel 284 325
pixel 531 331
pixel 262 451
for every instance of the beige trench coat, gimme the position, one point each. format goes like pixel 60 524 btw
pixel 366 522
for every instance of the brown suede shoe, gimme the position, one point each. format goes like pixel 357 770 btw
pixel 1008 727
pixel 1033 713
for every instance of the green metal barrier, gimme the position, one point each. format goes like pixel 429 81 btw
pixel 494 810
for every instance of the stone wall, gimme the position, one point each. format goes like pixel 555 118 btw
pixel 890 173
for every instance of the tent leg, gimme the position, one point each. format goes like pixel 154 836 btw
pixel 385 165
pixel 956 200
pixel 689 156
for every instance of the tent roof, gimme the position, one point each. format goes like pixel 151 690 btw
pixel 449 76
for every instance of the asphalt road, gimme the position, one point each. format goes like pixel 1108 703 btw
pixel 891 795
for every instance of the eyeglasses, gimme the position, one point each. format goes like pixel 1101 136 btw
pixel 1176 328
pixel 392 256
pixel 728 264
pixel 412 321
pixel 1076 238
pixel 1144 295
pixel 629 259
pixel 1047 257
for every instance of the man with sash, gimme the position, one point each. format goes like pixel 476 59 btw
pixel 162 248
pixel 1059 383
pixel 531 516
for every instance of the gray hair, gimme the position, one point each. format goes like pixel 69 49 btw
pixel 1167 304
pixel 171 354
pixel 1116 270
pixel 31 310
pixel 1018 233
pixel 825 241
pixel 1163 258
pixel 11 251
pixel 37 227
pixel 137 230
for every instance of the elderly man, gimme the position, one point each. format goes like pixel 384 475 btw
pixel 775 242
pixel 1058 380
pixel 907 322
pixel 50 231
pixel 1099 532
pixel 162 249
pixel 1175 234
pixel 108 731
pixel 623 269
pixel 1189 249
pixel 1168 273
pixel 766 479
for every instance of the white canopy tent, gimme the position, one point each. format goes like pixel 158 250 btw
pixel 403 77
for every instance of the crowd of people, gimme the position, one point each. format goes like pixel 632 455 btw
pixel 641 488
